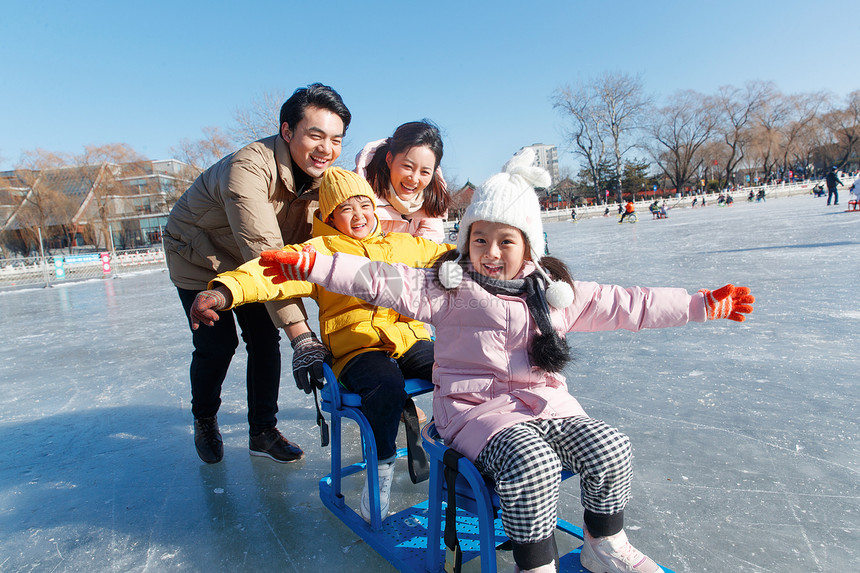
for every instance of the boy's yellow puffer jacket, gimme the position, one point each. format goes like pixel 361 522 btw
pixel 349 326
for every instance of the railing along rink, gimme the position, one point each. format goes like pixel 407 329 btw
pixel 60 268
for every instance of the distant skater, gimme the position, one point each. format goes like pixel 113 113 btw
pixel 629 209
pixel 833 182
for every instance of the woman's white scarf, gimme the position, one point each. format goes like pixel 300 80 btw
pixel 407 207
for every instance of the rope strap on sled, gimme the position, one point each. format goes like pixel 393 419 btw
pixel 453 552
pixel 419 466
pixel 324 436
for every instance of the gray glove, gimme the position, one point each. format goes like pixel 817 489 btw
pixel 309 354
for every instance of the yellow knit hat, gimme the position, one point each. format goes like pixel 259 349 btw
pixel 337 186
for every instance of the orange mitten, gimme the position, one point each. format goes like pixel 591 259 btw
pixel 285 266
pixel 729 302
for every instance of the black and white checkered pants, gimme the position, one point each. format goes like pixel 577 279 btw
pixel 526 460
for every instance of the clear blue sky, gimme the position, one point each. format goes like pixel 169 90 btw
pixel 150 74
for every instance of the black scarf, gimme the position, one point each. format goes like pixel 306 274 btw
pixel 301 180
pixel 549 350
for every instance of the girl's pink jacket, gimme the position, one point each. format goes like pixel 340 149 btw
pixel 482 376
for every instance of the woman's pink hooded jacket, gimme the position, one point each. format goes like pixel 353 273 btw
pixel 483 380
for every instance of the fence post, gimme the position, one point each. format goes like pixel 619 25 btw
pixel 43 262
pixel 114 269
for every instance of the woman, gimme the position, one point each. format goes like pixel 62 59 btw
pixel 404 172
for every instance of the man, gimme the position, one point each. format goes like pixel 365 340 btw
pixel 832 181
pixel 260 197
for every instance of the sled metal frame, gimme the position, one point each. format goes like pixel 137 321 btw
pixel 401 538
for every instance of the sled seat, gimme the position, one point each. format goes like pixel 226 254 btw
pixel 854 205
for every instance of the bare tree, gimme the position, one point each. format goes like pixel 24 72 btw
pixel 771 119
pixel 585 131
pixel 203 152
pixel 843 129
pixel 623 103
pixel 803 109
pixel 260 119
pixel 46 210
pixel 604 112
pixel 815 138
pixel 738 107
pixel 679 130
pixel 713 154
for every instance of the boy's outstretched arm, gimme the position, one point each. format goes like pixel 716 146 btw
pixel 729 302
pixel 308 352
pixel 206 303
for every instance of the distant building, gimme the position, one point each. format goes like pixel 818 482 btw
pixel 90 205
pixel 460 199
pixel 546 156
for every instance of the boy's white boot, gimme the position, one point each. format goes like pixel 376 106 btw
pixel 614 554
pixel 386 476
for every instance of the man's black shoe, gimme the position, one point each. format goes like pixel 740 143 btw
pixel 271 444
pixel 207 440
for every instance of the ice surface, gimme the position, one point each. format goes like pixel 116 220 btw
pixel 745 435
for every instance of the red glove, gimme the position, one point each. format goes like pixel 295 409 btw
pixel 729 302
pixel 285 266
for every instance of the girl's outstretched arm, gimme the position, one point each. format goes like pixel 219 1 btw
pixel 407 290
pixel 599 307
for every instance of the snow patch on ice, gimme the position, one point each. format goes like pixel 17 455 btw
pixel 124 435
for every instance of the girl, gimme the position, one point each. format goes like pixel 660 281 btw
pixel 500 312
pixel 374 349
pixel 404 172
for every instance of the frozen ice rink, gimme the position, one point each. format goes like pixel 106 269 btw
pixel 745 435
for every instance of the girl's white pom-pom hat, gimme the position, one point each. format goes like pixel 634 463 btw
pixel 509 198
